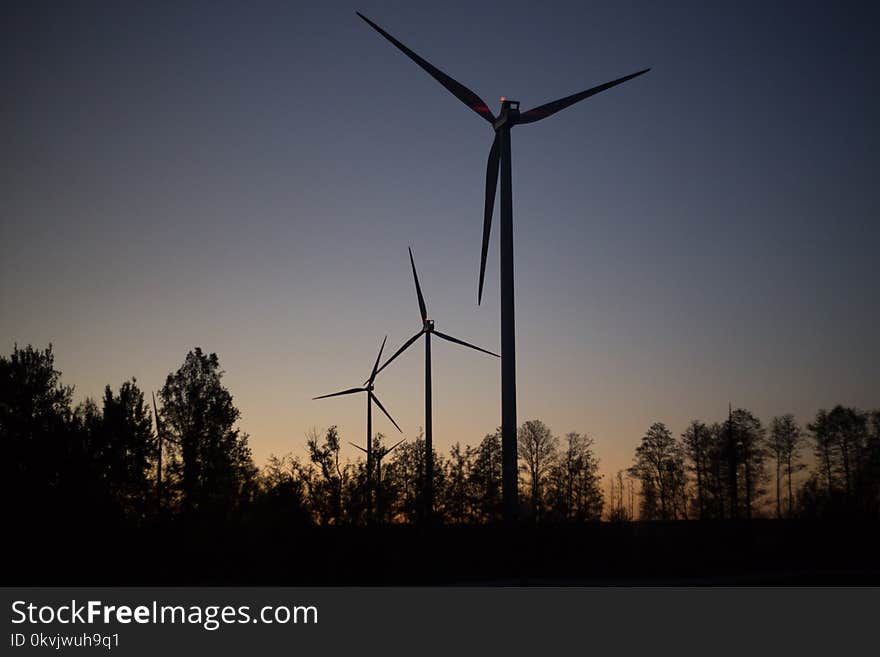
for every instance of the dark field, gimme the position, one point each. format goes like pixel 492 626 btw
pixel 757 552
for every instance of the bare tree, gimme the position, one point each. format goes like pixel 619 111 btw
pixel 537 451
pixel 574 491
pixel 785 441
pixel 620 508
pixel 839 436
pixel 750 441
pixel 632 497
pixel 697 443
pixel 823 447
pixel 659 467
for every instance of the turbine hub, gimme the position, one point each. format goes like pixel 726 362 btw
pixel 429 325
pixel 509 113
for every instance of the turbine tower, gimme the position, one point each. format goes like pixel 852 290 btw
pixel 499 159
pixel 427 330
pixel 371 397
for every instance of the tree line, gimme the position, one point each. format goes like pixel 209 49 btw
pixel 180 457
pixel 740 468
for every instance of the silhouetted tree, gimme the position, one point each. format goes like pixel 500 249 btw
pixel 784 444
pixel 844 447
pixel 216 470
pixel 282 493
pixel 731 459
pixel 407 469
pixel 385 490
pixel 630 484
pixel 128 428
pixel 869 484
pixel 100 485
pixel 812 497
pixel 715 474
pixel 121 448
pixel 615 496
pixel 749 436
pixel 537 451
pixel 849 428
pixel 45 465
pixel 326 491
pixel 456 503
pixel 620 507
pixel 696 442
pixel 659 467
pixel 484 479
pixel 574 481
pixel 823 447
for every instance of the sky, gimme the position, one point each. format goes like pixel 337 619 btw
pixel 247 177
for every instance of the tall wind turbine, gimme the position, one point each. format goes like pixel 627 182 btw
pixel 371 397
pixel 427 330
pixel 499 158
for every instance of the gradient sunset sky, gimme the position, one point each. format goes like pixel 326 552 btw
pixel 246 177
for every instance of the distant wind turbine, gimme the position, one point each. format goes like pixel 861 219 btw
pixel 499 158
pixel 427 330
pixel 379 454
pixel 160 435
pixel 371 397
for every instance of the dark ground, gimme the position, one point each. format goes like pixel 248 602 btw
pixel 758 552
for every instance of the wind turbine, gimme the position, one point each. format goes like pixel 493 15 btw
pixel 499 158
pixel 368 388
pixel 427 330
pixel 380 453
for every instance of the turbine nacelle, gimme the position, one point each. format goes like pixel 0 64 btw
pixel 428 326
pixel 509 114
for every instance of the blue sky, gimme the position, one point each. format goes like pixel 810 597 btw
pixel 247 178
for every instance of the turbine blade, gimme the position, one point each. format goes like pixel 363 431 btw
pixel 542 112
pixel 391 449
pixel 418 288
pixel 379 404
pixel 376 365
pixel 359 447
pixel 491 185
pixel 455 87
pixel 159 428
pixel 400 351
pixel 156 414
pixel 466 344
pixel 350 391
